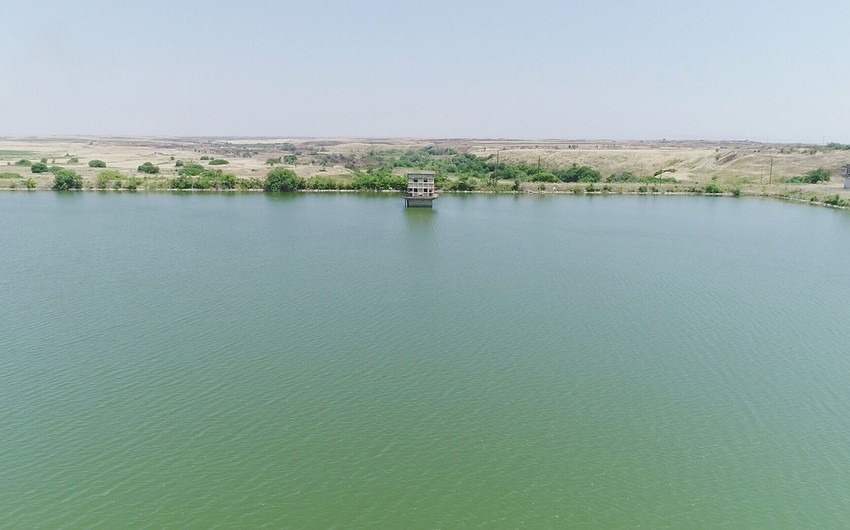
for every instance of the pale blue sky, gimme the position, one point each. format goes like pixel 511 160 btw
pixel 759 70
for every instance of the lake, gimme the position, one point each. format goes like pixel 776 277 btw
pixel 337 360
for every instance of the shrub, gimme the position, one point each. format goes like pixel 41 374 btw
pixel 179 163
pixel 835 200
pixel 378 181
pixel 287 147
pixel 281 179
pixel 105 177
pixel 290 159
pixel 544 176
pixel 39 167
pixel 133 183
pixel 218 162
pixel 149 168
pixel 73 160
pixel 30 183
pixel 464 183
pixel 97 163
pixel 626 176
pixel 713 188
pixel 322 182
pixel 250 184
pixel 10 175
pixel 191 170
pixel 208 179
pixel 578 174
pixel 23 162
pixel 205 157
pixel 273 161
pixel 67 179
pixel 817 175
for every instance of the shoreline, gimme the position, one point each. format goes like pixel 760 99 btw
pixel 488 166
pixel 780 196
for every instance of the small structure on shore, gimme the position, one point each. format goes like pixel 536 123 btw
pixel 845 172
pixel 420 189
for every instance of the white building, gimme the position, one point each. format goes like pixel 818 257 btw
pixel 420 190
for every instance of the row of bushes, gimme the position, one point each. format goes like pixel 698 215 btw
pixel 284 180
pixel 207 180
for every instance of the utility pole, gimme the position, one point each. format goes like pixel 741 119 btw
pixel 538 163
pixel 497 157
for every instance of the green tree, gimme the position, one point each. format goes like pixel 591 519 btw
pixel 67 179
pixel 97 163
pixel 39 167
pixel 290 159
pixel 218 162
pixel 281 179
pixel 147 167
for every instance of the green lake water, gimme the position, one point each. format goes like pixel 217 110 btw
pixel 339 361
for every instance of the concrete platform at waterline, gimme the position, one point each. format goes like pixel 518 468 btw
pixel 420 190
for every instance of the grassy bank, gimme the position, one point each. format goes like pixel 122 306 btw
pixel 790 172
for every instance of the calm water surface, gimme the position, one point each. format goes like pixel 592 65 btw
pixel 334 361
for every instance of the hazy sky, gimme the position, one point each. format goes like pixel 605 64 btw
pixel 677 69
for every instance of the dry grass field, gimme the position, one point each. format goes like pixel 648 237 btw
pixel 752 168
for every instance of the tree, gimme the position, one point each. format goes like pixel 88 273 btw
pixel 290 159
pixel 97 163
pixel 147 167
pixel 281 179
pixel 39 167
pixel 67 179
